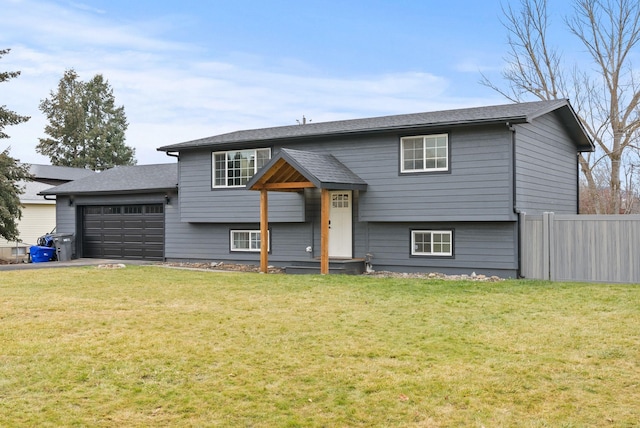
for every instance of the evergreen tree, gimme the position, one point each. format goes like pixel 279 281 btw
pixel 66 127
pixel 85 128
pixel 11 171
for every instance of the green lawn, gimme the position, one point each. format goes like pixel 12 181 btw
pixel 151 346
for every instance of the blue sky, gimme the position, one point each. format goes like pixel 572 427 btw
pixel 190 69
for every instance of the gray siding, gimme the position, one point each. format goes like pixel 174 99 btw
pixel 200 203
pixel 65 215
pixel 484 248
pixel 210 241
pixel 477 188
pixel 546 167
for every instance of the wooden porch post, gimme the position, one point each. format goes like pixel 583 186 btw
pixel 264 231
pixel 324 232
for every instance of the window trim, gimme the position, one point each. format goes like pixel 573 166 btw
pixel 425 169
pixel 226 152
pixel 18 251
pixel 248 250
pixel 414 253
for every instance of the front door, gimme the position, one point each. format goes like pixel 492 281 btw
pixel 340 224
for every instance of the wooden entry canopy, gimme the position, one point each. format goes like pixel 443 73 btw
pixel 293 171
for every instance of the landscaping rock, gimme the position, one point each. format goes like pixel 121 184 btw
pixel 221 266
pixel 111 266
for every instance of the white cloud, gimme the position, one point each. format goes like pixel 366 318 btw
pixel 174 92
pixel 86 7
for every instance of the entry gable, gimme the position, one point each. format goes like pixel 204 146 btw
pixel 293 170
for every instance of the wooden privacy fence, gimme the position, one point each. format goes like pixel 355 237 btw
pixel 594 248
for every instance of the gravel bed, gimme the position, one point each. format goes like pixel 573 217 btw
pixel 221 266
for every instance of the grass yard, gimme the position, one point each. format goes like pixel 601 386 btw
pixel 150 346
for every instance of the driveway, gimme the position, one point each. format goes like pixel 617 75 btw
pixel 71 263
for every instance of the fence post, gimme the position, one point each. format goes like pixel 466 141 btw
pixel 553 264
pixel 548 252
pixel 523 265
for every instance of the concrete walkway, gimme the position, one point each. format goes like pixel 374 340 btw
pixel 72 263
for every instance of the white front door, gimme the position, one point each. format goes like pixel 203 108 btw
pixel 340 227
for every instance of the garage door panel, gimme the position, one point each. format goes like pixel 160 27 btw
pixel 112 224
pixel 93 252
pixel 154 255
pixel 111 253
pixel 112 238
pixel 154 239
pixel 133 252
pixel 92 224
pixel 128 231
pixel 154 224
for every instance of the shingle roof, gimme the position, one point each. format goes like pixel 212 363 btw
pixel 513 113
pixel 322 169
pixel 32 191
pixel 122 179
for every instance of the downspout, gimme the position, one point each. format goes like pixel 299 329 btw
pixel 578 184
pixel 177 156
pixel 514 194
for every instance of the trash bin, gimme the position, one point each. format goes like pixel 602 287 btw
pixel 41 254
pixel 64 246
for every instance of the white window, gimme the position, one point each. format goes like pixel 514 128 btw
pixel 431 243
pixel 236 167
pixel 424 153
pixel 246 240
pixel 340 200
pixel 18 251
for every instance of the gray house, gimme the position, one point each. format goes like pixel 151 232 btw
pixel 439 191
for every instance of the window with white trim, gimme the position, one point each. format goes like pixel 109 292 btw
pixel 431 243
pixel 246 240
pixel 18 251
pixel 235 168
pixel 424 153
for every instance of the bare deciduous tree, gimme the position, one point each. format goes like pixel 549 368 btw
pixel 606 96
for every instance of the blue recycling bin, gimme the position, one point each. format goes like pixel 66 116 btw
pixel 41 254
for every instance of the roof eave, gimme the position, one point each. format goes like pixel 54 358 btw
pixel 199 144
pixel 584 141
pixel 344 186
pixel 108 192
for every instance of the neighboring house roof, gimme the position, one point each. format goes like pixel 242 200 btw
pixel 321 169
pixel 122 179
pixel 45 177
pixel 511 113
pixel 58 173
pixel 31 194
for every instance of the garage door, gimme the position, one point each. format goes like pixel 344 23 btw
pixel 123 232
